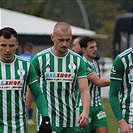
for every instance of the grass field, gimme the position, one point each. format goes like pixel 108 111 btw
pixel 111 119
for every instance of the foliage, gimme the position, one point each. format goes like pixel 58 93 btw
pixel 101 14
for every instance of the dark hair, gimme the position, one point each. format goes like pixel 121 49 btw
pixel 7 32
pixel 83 42
pixel 28 46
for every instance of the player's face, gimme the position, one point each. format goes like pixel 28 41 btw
pixel 8 48
pixel 76 46
pixel 62 41
pixel 91 50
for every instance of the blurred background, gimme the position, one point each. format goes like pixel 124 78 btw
pixel 95 15
pixel 96 18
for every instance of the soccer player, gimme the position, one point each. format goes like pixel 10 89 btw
pixel 59 70
pixel 121 90
pixel 97 116
pixel 15 74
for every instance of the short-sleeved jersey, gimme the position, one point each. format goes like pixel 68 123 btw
pixel 13 79
pixel 92 67
pixel 58 77
pixel 122 71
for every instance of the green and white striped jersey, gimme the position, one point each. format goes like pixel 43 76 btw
pixel 58 77
pixel 122 70
pixel 13 80
pixel 92 67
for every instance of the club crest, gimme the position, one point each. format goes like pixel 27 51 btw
pixel 72 66
pixel 21 72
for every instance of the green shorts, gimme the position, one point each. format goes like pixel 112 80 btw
pixel 97 119
pixel 64 129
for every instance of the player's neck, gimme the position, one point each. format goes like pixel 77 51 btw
pixel 58 53
pixel 89 58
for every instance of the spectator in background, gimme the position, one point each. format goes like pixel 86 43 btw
pixel 28 48
pixel 97 117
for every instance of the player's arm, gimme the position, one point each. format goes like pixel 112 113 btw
pixel 116 77
pixel 94 78
pixel 115 105
pixel 84 93
pixel 85 98
pixel 29 99
pixel 40 100
pixel 100 82
pixel 114 100
pixel 41 104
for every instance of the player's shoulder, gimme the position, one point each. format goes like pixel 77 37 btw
pixel 126 52
pixel 43 52
pixel 20 58
pixel 74 53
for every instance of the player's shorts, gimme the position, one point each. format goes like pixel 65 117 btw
pixel 97 119
pixel 64 129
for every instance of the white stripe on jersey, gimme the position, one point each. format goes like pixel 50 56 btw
pixel 63 92
pixel 48 86
pixel 70 101
pixel 125 52
pixel 20 103
pixel 4 100
pixel 55 92
pixel 13 99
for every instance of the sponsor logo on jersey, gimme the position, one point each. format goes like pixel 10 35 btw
pixel 11 84
pixel 131 74
pixel 59 77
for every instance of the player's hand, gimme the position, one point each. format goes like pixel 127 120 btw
pixel 83 120
pixel 45 126
pixel 124 126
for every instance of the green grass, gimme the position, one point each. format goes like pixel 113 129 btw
pixel 111 119
pixel 112 124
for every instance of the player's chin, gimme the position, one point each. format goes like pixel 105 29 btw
pixel 64 50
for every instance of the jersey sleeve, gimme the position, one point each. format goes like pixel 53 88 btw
pixel 115 86
pixel 39 98
pixel 35 63
pixel 31 75
pixel 36 91
pixel 89 69
pixel 82 69
pixel 117 70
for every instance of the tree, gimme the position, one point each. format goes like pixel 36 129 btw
pixel 101 14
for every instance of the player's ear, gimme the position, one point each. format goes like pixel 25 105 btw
pixel 83 49
pixel 52 37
